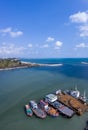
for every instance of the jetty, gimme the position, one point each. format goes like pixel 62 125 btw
pixel 78 106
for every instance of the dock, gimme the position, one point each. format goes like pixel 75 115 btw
pixel 73 103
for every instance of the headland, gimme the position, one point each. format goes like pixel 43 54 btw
pixel 14 63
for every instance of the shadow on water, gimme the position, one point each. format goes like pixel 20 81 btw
pixel 75 71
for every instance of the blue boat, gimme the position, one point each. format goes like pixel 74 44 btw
pixel 28 110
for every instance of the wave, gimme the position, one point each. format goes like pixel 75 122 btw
pixel 42 64
pixel 84 63
pixel 50 64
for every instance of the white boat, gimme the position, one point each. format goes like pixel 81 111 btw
pixel 50 98
pixel 83 98
pixel 74 93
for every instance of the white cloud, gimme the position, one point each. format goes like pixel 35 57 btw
pixel 30 45
pixel 50 39
pixel 80 17
pixel 58 43
pixel 6 30
pixel 11 49
pixel 83 31
pixel 45 46
pixel 16 34
pixel 82 45
pixel 9 31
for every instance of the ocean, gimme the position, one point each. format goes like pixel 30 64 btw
pixel 19 86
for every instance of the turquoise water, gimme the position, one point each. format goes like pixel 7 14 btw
pixel 19 86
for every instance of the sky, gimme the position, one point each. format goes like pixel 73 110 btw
pixel 44 28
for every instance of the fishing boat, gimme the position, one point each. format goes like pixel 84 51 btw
pixel 52 100
pixel 28 110
pixel 36 110
pixel 83 98
pixel 64 110
pixel 48 109
pixel 74 93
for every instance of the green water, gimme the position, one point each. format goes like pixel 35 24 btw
pixel 17 87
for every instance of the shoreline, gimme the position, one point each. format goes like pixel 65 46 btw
pixel 12 68
pixel 29 64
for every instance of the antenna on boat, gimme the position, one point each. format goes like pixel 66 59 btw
pixel 76 88
pixel 84 96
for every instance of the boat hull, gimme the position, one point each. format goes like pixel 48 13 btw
pixel 48 109
pixel 36 110
pixel 37 114
pixel 65 111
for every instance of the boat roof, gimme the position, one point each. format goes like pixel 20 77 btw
pixel 27 106
pixel 75 93
pixel 33 104
pixel 51 97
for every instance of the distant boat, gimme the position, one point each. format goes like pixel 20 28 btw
pixel 28 110
pixel 36 110
pixel 48 109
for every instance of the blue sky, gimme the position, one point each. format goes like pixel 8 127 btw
pixel 43 28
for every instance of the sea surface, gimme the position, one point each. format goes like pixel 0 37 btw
pixel 19 86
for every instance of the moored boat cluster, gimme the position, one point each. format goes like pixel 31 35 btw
pixel 55 104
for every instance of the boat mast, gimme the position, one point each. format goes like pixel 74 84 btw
pixel 84 95
pixel 76 88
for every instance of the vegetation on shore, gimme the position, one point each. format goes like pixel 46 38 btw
pixel 13 62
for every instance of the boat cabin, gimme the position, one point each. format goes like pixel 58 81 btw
pixel 50 98
pixel 33 104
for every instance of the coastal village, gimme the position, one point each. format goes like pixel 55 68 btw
pixel 67 103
